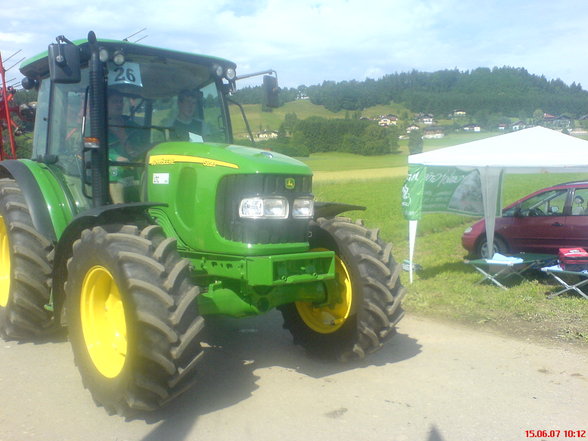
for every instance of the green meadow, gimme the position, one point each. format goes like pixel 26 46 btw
pixel 446 287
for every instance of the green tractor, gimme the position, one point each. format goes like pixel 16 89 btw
pixel 129 228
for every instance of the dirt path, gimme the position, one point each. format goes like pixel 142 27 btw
pixel 350 175
pixel 432 382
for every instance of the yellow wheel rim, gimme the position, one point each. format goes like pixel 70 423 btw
pixel 4 264
pixel 103 321
pixel 328 319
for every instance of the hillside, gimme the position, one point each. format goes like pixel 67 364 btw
pixel 507 91
pixel 303 109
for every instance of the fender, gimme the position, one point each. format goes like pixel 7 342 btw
pixel 108 214
pixel 32 194
pixel 332 209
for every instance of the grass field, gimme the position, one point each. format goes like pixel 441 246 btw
pixel 445 288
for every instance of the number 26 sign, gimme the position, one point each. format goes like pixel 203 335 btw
pixel 128 73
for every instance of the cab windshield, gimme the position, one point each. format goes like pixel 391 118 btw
pixel 169 100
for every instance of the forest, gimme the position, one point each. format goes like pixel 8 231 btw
pixel 505 90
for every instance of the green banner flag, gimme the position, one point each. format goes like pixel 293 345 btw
pixel 412 192
pixel 441 189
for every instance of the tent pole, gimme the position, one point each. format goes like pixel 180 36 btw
pixel 412 230
pixel 490 179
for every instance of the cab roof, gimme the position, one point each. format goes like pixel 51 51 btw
pixel 38 65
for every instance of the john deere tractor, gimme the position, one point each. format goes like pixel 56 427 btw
pixel 128 231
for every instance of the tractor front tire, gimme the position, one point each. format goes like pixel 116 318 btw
pixel 26 260
pixel 133 323
pixel 367 287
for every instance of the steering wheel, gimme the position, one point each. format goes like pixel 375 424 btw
pixel 536 212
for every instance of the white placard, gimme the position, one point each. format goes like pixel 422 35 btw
pixel 128 73
pixel 161 178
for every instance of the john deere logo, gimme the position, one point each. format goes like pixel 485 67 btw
pixel 290 183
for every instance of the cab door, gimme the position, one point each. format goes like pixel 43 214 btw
pixel 64 140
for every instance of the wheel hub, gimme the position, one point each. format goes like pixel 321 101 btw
pixel 103 321
pixel 330 318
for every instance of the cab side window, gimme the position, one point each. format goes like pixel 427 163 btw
pixel 65 125
pixel 41 120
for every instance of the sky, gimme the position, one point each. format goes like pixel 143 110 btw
pixel 311 41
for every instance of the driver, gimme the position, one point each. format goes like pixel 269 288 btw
pixel 124 138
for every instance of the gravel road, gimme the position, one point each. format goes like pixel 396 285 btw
pixel 432 382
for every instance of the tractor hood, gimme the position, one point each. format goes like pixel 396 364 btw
pixel 203 185
pixel 239 159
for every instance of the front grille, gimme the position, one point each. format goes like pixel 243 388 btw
pixel 233 188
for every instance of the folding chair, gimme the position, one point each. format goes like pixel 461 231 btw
pixel 556 271
pixel 500 268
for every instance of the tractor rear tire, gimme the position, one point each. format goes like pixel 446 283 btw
pixel 368 288
pixel 133 322
pixel 26 261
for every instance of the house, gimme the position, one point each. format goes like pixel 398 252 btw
pixel 412 128
pixel 427 119
pixel 267 134
pixel 471 128
pixel 435 132
pixel 557 122
pixel 519 125
pixel 459 113
pixel 388 120
pixel 502 126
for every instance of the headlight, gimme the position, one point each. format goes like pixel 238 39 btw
pixel 468 230
pixel 218 70
pixel 230 74
pixel 263 208
pixel 303 208
pixel 103 55
pixel 118 57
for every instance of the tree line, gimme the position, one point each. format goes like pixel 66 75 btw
pixel 315 134
pixel 505 90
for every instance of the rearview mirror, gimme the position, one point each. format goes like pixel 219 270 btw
pixel 64 63
pixel 270 91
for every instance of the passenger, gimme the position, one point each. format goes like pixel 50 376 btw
pixel 578 207
pixel 188 121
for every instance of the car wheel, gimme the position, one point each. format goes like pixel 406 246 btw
pixel 482 247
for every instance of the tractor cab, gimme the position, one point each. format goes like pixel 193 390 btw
pixel 147 96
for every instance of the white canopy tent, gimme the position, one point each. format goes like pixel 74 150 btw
pixel 467 178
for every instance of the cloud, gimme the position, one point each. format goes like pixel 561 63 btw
pixel 309 41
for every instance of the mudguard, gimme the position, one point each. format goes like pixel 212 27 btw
pixel 108 214
pixel 32 194
pixel 332 209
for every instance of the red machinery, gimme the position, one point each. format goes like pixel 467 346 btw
pixel 7 107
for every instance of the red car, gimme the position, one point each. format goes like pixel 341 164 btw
pixel 542 222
